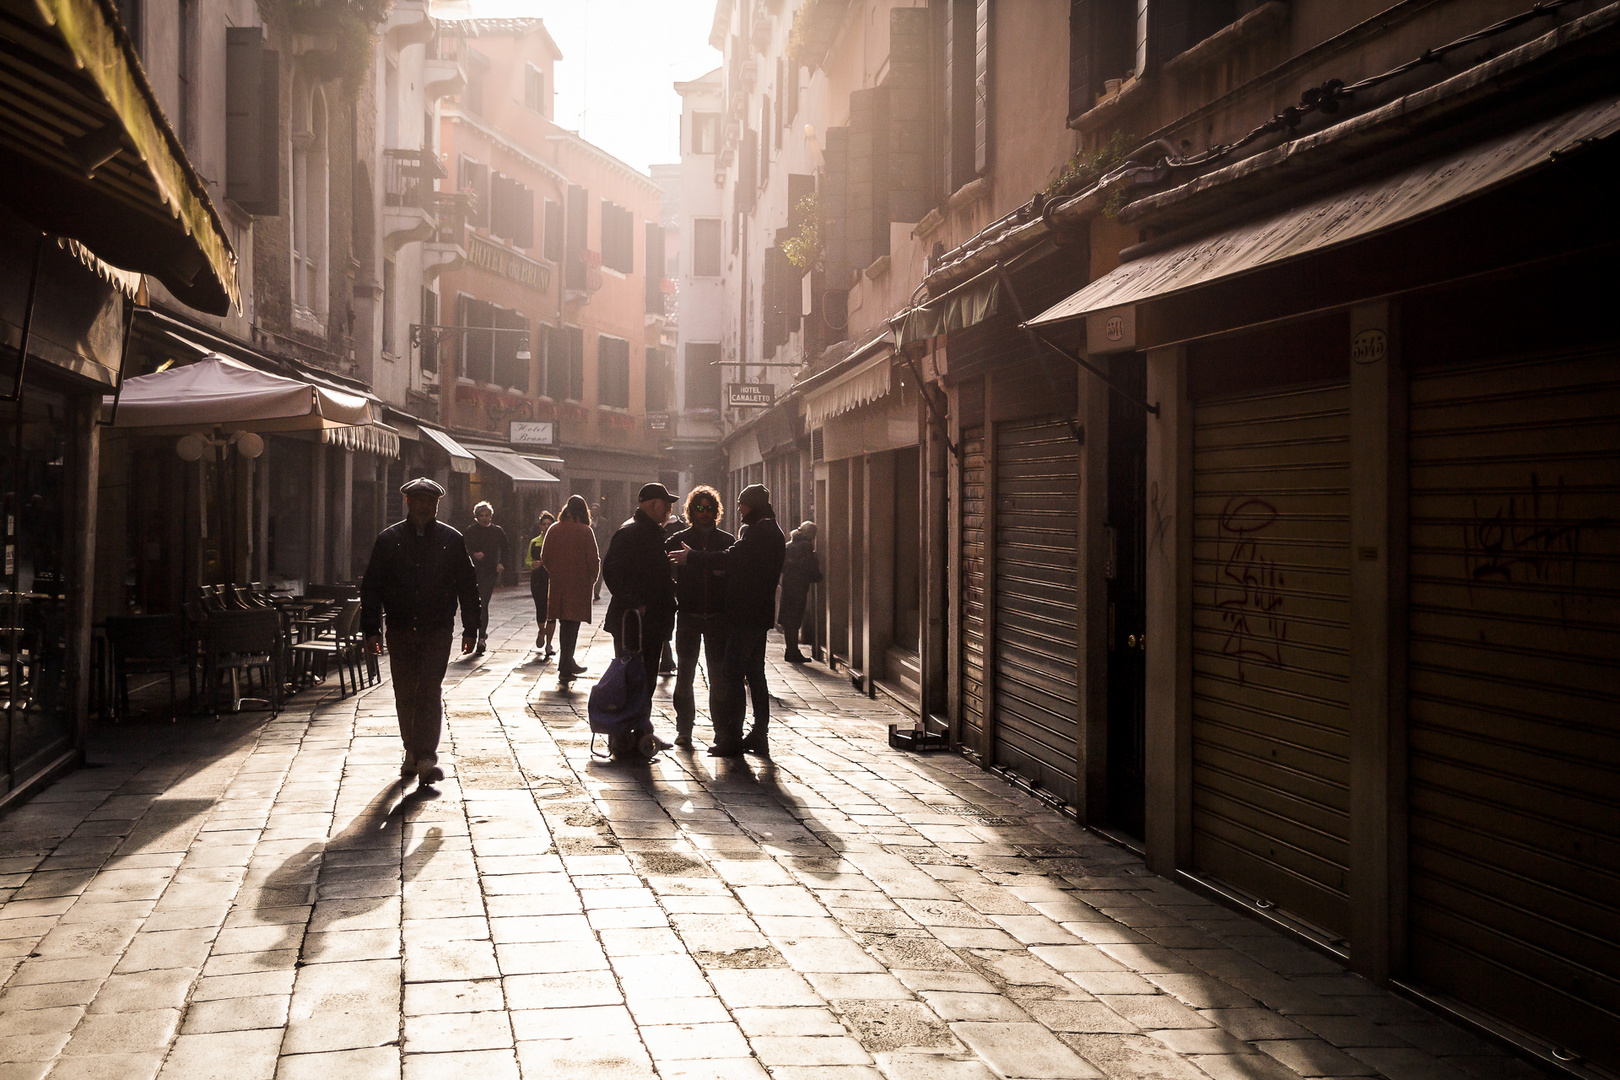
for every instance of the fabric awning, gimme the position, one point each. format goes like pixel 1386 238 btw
pixel 958 309
pixel 866 383
pixel 218 392
pixel 461 459
pixel 90 156
pixel 373 438
pixel 1343 218
pixel 520 470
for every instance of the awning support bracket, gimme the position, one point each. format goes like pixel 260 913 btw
pixel 1023 324
pixel 928 399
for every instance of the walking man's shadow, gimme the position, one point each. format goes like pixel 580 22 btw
pixel 376 831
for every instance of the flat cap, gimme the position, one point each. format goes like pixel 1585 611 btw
pixel 755 496
pixel 422 486
pixel 656 491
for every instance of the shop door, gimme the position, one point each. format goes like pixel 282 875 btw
pixel 1270 714
pixel 1126 570
pixel 1035 688
pixel 38 567
pixel 974 480
pixel 1514 714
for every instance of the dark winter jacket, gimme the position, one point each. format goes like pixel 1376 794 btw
pixel 800 570
pixel 418 580
pixel 752 566
pixel 637 572
pixel 700 592
pixel 491 541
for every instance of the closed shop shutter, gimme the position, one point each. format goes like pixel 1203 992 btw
pixel 1271 585
pixel 973 587
pixel 1037 501
pixel 1514 714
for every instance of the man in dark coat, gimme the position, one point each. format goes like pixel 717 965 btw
pixel 799 571
pixel 486 543
pixel 752 566
pixel 638 575
pixel 700 625
pixel 419 571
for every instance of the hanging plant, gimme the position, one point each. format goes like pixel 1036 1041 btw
pixel 1088 166
pixel 804 248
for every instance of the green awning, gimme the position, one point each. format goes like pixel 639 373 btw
pixel 962 307
pixel 86 152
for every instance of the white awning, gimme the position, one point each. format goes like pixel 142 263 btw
pixel 219 393
pixel 461 459
pixel 520 470
pixel 1342 218
pixel 865 384
pixel 374 438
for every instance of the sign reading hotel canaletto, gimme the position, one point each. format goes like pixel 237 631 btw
pixel 498 260
pixel 748 395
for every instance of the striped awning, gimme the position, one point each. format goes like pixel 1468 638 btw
pixel 865 384
pixel 374 438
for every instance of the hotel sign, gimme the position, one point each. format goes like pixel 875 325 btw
pixel 748 395
pixel 498 260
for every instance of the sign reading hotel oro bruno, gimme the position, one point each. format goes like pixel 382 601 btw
pixel 533 433
pixel 748 395
pixel 498 260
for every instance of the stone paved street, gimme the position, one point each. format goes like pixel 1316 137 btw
pixel 262 898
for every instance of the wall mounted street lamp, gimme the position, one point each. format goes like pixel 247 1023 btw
pixel 192 447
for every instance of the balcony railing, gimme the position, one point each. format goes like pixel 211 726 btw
pixel 453 208
pixel 409 176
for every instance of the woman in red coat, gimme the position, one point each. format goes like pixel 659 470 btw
pixel 572 561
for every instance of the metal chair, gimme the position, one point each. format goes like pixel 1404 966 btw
pixel 148 645
pixel 342 642
pixel 242 642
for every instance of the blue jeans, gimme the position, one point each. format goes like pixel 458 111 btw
pixel 742 674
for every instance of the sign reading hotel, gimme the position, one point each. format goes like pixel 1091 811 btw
pixel 533 433
pixel 498 260
pixel 748 395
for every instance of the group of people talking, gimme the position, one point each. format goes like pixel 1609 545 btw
pixel 713 590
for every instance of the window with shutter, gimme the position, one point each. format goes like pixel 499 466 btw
pixel 655 259
pixel 613 372
pixel 705 132
pixel 554 232
pixel 747 172
pixel 555 375
pixel 618 238
pixel 576 364
pixel 511 366
pixel 472 178
pixel 983 86
pixel 1102 46
pixel 765 142
pixel 781 96
pixel 706 247
pixel 252 121
pixel 657 379
pixel 478 354
pixel 703 376
pixel 574 276
pixel 534 88
pixel 430 344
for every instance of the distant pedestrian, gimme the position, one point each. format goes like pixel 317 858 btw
pixel 753 566
pixel 701 622
pixel 639 577
pixel 539 586
pixel 800 570
pixel 571 560
pixel 486 543
pixel 602 525
pixel 418 572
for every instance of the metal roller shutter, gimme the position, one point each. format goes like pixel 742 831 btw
pixel 973 586
pixel 1514 713
pixel 1271 599
pixel 1037 500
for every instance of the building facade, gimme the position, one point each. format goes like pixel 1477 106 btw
pixel 1167 348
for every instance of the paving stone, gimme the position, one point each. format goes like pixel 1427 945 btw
pixel 1313 1057
pixel 1133 1057
pixel 1254 1024
pixel 958 1006
pixel 688 1041
pixel 372 1063
pixel 1079 1016
pixel 436 1033
pixel 913 1066
pixel 233 1055
pixel 1150 1012
pixel 1023 1051
pixel 484 1064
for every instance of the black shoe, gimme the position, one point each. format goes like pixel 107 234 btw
pixel 726 751
pixel 796 658
pixel 756 744
pixel 479 647
pixel 571 669
pixel 683 739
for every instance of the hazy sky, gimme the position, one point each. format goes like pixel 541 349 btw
pixel 620 58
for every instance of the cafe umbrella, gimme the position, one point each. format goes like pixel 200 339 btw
pixel 217 403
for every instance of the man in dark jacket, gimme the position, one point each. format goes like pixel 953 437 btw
pixel 702 596
pixel 486 543
pixel 638 576
pixel 752 566
pixel 799 571
pixel 419 571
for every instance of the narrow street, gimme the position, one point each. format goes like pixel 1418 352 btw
pixel 260 898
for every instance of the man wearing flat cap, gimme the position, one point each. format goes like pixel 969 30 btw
pixel 418 573
pixel 752 566
pixel 639 577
